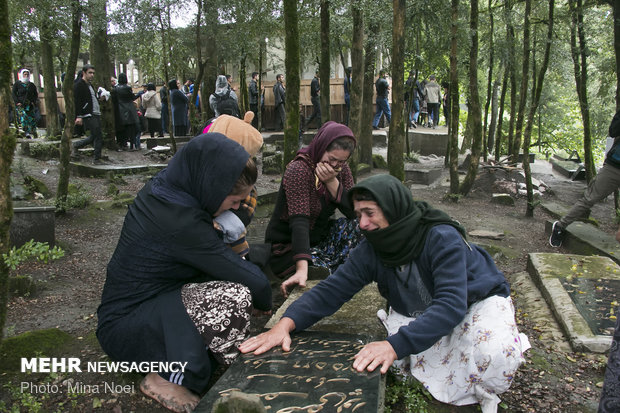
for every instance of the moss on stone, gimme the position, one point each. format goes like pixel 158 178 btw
pixel 35 185
pixel 378 162
pixel 38 343
pixel 22 286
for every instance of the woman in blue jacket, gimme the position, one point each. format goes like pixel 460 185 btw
pixel 451 321
pixel 174 292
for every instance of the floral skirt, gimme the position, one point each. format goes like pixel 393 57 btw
pixel 27 120
pixel 610 396
pixel 475 362
pixel 344 235
pixel 221 312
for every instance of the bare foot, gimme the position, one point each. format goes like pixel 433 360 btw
pixel 172 396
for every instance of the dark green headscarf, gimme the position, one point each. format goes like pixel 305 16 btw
pixel 403 240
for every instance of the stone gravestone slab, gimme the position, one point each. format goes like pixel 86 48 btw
pixel 582 292
pixel 317 374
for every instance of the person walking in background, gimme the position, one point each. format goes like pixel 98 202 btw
pixel 444 102
pixel 224 100
pixel 383 106
pixel 279 94
pixel 315 98
pixel 26 99
pixel 88 112
pixel 165 119
pixel 123 99
pixel 413 93
pixel 179 102
pixel 347 93
pixel 254 96
pixel 605 183
pixel 432 93
pixel 152 112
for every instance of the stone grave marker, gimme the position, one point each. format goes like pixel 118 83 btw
pixel 582 292
pixel 317 374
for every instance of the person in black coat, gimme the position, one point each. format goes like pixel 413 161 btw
pixel 128 126
pixel 174 291
pixel 179 102
pixel 26 99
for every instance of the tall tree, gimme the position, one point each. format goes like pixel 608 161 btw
pixel 324 67
pixel 396 141
pixel 357 84
pixel 525 67
pixel 615 5
pixel 52 122
pixel 474 102
pixel 489 80
pixel 291 62
pixel 67 92
pixel 365 137
pixel 453 100
pixel 100 55
pixel 7 148
pixel 533 108
pixel 512 73
pixel 580 66
pixel 500 116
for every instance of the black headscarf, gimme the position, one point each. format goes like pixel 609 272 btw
pixel 202 173
pixel 409 221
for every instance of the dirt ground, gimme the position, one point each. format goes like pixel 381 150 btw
pixel 69 291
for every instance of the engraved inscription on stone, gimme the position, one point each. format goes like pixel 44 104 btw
pixel 316 375
pixel 592 298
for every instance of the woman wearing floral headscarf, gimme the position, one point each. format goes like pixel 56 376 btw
pixel 26 100
pixel 314 185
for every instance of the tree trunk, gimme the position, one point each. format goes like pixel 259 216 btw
pixel 615 4
pixel 356 87
pixel 292 65
pixel 510 34
pixel 100 55
pixel 525 67
pixel 7 148
pixel 67 92
pixel 396 141
pixel 365 137
pixel 244 105
pixel 165 47
pixel 500 116
pixel 580 65
pixel 493 125
pixel 211 23
pixel 195 124
pixel 324 67
pixel 474 103
pixel 489 81
pixel 262 46
pixel 453 139
pixel 52 124
pixel 530 118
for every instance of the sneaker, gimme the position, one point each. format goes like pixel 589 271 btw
pixel 557 235
pixel 74 151
pixel 375 127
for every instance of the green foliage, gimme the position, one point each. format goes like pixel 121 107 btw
pixel 408 392
pixel 44 151
pixel 39 251
pixel 412 157
pixel 25 400
pixel 76 199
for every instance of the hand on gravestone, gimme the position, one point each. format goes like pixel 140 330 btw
pixel 377 353
pixel 278 335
